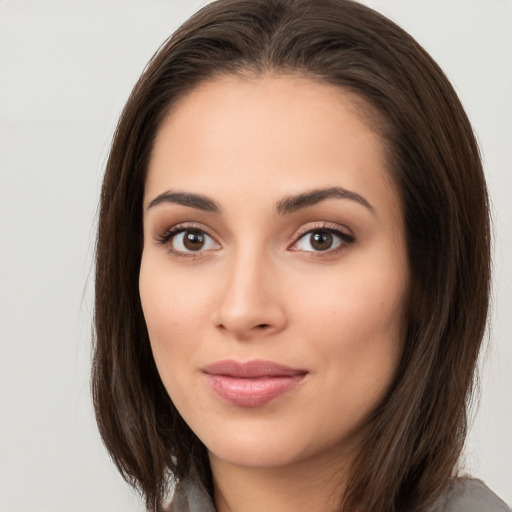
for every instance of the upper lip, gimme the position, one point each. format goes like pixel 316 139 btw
pixel 251 369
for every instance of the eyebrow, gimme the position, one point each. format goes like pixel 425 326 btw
pixel 285 206
pixel 292 204
pixel 186 199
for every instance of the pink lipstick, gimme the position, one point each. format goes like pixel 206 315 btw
pixel 252 383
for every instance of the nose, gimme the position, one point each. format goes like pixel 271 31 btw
pixel 250 304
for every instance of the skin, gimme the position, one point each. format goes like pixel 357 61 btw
pixel 259 289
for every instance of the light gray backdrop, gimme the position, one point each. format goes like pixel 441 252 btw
pixel 66 69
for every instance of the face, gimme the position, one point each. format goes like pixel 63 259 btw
pixel 273 276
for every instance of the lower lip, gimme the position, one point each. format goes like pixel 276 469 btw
pixel 251 392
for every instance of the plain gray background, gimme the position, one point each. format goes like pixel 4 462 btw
pixel 66 69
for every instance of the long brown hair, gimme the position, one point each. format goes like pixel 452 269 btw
pixel 416 434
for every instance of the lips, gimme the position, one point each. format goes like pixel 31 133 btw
pixel 253 383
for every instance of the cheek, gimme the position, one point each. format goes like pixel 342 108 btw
pixel 353 303
pixel 173 308
pixel 172 299
pixel 357 323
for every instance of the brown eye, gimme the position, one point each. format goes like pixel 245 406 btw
pixel 193 240
pixel 189 241
pixel 321 240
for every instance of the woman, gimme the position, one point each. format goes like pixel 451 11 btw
pixel 292 268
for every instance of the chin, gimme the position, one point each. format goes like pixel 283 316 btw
pixel 254 456
pixel 246 445
pixel 269 447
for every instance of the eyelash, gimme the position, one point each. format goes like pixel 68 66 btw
pixel 165 238
pixel 346 239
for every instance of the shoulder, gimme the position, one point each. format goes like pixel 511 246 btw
pixel 463 495
pixel 189 496
pixel 469 495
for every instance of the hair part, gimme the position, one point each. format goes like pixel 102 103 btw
pixel 415 436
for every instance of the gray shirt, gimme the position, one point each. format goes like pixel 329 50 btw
pixel 468 495
pixel 464 495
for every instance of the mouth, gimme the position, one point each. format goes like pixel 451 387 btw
pixel 253 383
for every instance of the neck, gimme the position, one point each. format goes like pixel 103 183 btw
pixel 304 486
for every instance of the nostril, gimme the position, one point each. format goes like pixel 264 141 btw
pixel 262 326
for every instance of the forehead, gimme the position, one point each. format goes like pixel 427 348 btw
pixel 274 135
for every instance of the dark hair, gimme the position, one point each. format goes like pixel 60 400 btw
pixel 416 434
